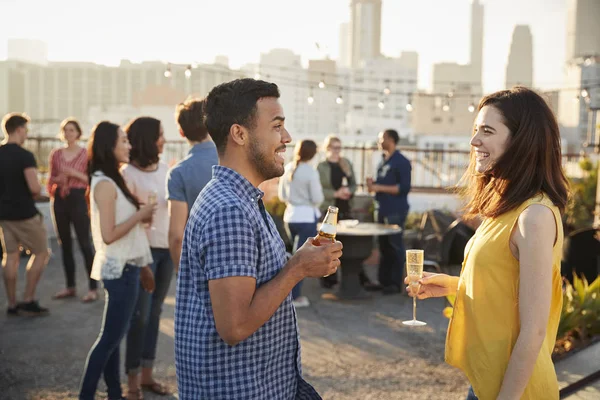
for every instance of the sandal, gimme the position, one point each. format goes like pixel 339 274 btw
pixel 90 297
pixel 156 387
pixel 64 294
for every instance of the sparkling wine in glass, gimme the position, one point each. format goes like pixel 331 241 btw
pixel 152 199
pixel 414 271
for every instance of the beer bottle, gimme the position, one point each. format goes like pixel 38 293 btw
pixel 328 228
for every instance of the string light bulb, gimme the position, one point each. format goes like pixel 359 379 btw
pixel 387 91
pixel 188 72
pixel 381 104
pixel 584 93
pixel 446 107
pixel 168 71
pixel 471 107
pixel 409 106
pixel 310 99
pixel 321 84
pixel 257 76
pixel 339 99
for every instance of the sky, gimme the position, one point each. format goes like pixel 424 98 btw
pixel 189 31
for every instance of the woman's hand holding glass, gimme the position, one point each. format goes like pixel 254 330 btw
pixel 433 285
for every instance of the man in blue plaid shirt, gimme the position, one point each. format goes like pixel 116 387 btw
pixel 236 335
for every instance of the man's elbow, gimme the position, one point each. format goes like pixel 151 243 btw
pixel 175 240
pixel 232 335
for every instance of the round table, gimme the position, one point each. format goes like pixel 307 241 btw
pixel 358 245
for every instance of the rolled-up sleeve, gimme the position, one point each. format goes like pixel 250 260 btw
pixel 231 247
pixel 403 173
pixel 175 186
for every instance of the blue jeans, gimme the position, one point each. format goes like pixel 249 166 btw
pixel 299 232
pixel 121 295
pixel 143 332
pixel 471 395
pixel 392 252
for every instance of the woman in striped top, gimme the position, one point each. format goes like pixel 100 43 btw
pixel 67 184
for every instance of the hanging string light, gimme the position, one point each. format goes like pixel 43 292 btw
pixel 339 99
pixel 168 71
pixel 584 93
pixel 381 104
pixel 471 107
pixel 409 106
pixel 387 91
pixel 322 83
pixel 188 72
pixel 310 99
pixel 446 106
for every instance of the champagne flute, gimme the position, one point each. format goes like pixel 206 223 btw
pixel 152 199
pixel 414 271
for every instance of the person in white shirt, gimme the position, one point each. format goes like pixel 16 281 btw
pixel 300 188
pixel 122 256
pixel 145 176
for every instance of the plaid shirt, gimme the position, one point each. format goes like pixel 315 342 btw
pixel 229 233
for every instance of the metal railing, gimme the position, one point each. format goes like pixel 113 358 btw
pixel 432 170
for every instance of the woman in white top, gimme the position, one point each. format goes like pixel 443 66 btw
pixel 145 176
pixel 122 253
pixel 300 188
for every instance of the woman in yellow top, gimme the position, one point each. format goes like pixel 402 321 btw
pixel 508 295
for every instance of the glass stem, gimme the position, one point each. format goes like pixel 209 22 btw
pixel 414 308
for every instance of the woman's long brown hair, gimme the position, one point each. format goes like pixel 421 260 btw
pixel 531 163
pixel 305 151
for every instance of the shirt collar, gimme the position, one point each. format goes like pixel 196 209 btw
pixel 240 185
pixel 202 146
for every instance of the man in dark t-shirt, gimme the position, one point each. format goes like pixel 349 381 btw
pixel 391 190
pixel 20 222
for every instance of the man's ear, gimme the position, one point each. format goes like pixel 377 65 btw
pixel 238 134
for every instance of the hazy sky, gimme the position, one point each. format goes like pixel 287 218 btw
pixel 198 30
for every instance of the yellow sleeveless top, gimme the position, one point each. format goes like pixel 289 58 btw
pixel 485 323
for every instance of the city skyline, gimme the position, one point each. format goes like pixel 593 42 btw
pixel 442 36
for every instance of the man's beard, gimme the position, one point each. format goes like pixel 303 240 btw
pixel 264 162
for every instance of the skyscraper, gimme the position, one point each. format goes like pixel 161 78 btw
pixel 476 41
pixel 454 77
pixel 583 29
pixel 365 30
pixel 519 69
pixel 344 43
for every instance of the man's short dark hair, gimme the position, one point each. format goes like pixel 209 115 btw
pixel 11 122
pixel 393 135
pixel 234 103
pixel 190 118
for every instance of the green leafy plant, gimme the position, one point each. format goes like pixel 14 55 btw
pixel 580 317
pixel 413 220
pixel 275 207
pixel 580 209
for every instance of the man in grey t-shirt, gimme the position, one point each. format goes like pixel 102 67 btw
pixel 189 176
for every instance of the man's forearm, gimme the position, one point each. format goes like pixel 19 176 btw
pixel 388 189
pixel 265 302
pixel 175 244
